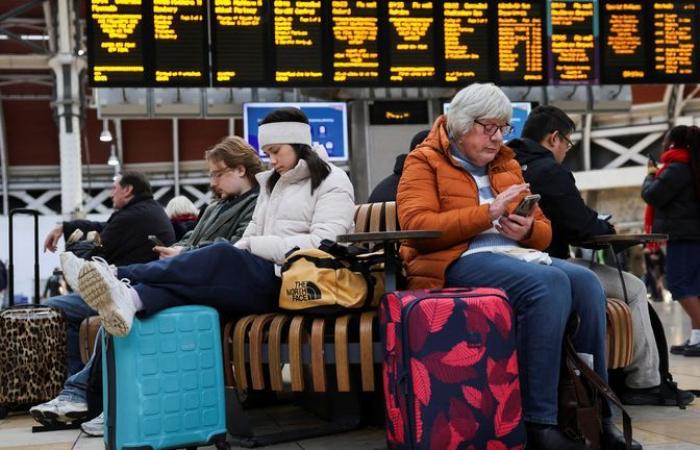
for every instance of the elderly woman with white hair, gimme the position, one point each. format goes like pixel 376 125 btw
pixel 303 200
pixel 463 181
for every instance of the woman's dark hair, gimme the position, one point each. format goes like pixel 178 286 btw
pixel 688 137
pixel 318 168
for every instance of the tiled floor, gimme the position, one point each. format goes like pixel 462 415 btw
pixel 657 428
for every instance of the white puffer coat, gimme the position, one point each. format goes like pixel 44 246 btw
pixel 291 216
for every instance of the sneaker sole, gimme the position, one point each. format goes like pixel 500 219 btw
pixel 49 418
pixel 96 293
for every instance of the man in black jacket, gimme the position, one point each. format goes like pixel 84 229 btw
pixel 546 138
pixel 125 234
pixel 385 191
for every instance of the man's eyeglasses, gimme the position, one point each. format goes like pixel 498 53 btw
pixel 491 128
pixel 218 173
pixel 569 144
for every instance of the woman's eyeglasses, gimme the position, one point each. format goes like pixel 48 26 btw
pixel 491 128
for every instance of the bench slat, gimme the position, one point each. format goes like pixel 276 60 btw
pixel 366 357
pixel 275 353
pixel 239 350
pixel 342 366
pixel 257 336
pixel 296 337
pixel 318 366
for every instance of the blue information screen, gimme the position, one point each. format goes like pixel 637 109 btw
pixel 520 112
pixel 329 125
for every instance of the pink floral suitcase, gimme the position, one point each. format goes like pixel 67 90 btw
pixel 451 370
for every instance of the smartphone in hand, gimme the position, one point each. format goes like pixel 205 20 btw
pixel 527 205
pixel 153 238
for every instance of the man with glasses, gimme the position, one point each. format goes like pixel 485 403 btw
pixel 546 138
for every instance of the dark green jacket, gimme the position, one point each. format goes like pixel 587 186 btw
pixel 215 225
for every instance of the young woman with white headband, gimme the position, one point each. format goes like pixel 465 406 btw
pixel 303 200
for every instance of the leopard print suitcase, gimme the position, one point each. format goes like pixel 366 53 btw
pixel 32 355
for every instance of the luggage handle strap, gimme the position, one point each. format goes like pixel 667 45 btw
pixel 602 387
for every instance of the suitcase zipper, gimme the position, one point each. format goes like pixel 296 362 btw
pixel 406 375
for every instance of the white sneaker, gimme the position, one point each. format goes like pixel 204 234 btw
pixel 71 265
pixel 59 409
pixel 94 427
pixel 107 295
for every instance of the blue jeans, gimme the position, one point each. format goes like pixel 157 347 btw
pixel 76 386
pixel 75 310
pixel 233 281
pixel 542 298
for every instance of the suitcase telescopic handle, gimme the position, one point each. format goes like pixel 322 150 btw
pixel 11 286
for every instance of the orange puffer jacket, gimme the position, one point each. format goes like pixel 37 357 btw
pixel 436 193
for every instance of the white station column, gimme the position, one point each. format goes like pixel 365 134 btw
pixel 66 66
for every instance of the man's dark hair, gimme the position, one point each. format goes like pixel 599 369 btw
pixel 318 168
pixel 544 120
pixel 418 139
pixel 138 182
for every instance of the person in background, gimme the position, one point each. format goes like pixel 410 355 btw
pixel 672 194
pixel 385 191
pixel 463 181
pixel 183 215
pixel 546 138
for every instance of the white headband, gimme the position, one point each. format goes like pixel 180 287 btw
pixel 284 133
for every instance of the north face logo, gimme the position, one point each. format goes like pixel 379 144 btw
pixel 304 291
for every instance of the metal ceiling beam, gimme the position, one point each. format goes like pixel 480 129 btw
pixel 17 38
pixel 20 9
pixel 24 62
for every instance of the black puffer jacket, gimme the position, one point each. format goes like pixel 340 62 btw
pixel 385 191
pixel 676 205
pixel 125 234
pixel 572 221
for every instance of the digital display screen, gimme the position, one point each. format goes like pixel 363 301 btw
pixel 234 22
pixel 572 37
pixel 355 41
pixel 674 30
pixel 336 43
pixel 329 125
pixel 411 42
pixel 180 42
pixel 624 50
pixel 116 53
pixel 520 42
pixel 466 37
pixel 298 49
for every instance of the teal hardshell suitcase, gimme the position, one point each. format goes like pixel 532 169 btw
pixel 163 383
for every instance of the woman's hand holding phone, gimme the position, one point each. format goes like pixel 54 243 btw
pixel 514 226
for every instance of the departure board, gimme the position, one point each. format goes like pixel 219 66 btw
pixel 336 43
pixel 572 37
pixel 623 31
pixel 520 42
pixel 355 41
pixel 235 22
pixel 180 42
pixel 411 42
pixel 674 31
pixel 297 30
pixel 116 48
pixel 466 34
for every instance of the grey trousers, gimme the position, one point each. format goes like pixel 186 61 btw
pixel 643 372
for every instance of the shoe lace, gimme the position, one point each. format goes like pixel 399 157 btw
pixel 103 262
